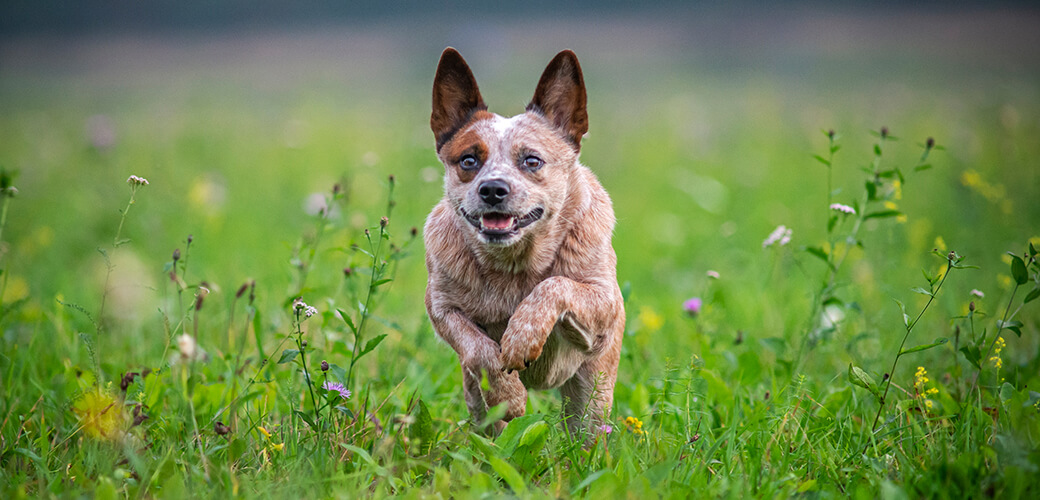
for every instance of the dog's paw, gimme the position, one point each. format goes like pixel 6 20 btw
pixel 519 349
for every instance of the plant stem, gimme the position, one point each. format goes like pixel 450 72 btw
pixel 899 353
pixel 373 277
pixel 982 360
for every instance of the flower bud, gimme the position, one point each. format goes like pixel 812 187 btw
pixel 884 132
pixel 324 365
pixel 383 222
pixel 971 306
pixel 930 143
pixel 176 255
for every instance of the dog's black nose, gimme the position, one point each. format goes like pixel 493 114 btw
pixel 493 191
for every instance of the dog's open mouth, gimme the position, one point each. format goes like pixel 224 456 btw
pixel 499 225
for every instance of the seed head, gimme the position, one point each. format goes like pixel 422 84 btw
pixel 241 290
pixel 200 296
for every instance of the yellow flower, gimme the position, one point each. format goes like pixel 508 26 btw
pixel 897 189
pixel 100 414
pixel 940 244
pixel 634 425
pixel 650 319
pixel 278 447
pixel 997 347
pixel 263 431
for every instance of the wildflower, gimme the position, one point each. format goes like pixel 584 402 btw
pixel 713 274
pixel 324 365
pixel 278 447
pixel 263 431
pixel 300 306
pixel 383 222
pixel 975 292
pixel 920 378
pixel 100 414
pixel 186 344
pixel 605 429
pixel 997 347
pixel 845 209
pixel 135 181
pixel 635 426
pixel 337 387
pixel 692 306
pixel 780 237
pixel 650 319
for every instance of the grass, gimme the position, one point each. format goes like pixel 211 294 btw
pixel 123 378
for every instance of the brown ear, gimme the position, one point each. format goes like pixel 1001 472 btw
pixel 560 97
pixel 455 96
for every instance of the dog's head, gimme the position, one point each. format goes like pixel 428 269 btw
pixel 508 177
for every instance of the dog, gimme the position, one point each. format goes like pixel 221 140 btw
pixel 522 275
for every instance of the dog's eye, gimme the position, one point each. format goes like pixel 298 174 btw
pixel 469 162
pixel 533 163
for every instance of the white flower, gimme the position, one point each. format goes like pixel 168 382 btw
pixel 135 181
pixel 780 236
pixel 713 274
pixel 188 347
pixel 300 306
pixel 845 209
pixel 975 292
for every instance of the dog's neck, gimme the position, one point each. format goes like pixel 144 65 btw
pixel 535 254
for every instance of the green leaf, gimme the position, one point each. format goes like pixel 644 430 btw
pixel 509 474
pixel 822 160
pixel 877 150
pixel 1014 325
pixel 973 355
pixel 306 418
pixel 938 342
pixel 919 168
pixel 1032 295
pixel 871 190
pixel 818 252
pixel 1032 250
pixel 372 344
pixel 906 317
pixel 288 355
pixel 381 282
pixel 921 291
pixel 863 379
pixel 422 429
pixel 835 148
pixel 346 319
pixel 1018 270
pixel 883 214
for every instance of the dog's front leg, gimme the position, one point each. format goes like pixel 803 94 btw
pixel 479 354
pixel 596 306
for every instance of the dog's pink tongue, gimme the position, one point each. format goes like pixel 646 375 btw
pixel 497 221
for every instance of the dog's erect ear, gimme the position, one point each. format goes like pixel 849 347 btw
pixel 455 96
pixel 560 97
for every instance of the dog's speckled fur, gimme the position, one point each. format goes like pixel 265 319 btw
pixel 538 308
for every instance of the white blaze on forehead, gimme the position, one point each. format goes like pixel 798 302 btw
pixel 502 125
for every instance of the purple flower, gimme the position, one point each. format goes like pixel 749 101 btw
pixel 693 306
pixel 337 387
pixel 605 429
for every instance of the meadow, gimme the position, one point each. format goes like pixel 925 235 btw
pixel 883 343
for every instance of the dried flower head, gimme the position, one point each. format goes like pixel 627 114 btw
pixel 187 346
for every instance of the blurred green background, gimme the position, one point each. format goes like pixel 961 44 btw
pixel 704 119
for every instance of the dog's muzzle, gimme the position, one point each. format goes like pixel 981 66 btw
pixel 500 225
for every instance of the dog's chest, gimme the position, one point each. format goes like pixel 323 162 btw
pixel 494 298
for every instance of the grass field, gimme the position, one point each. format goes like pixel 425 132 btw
pixel 122 378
